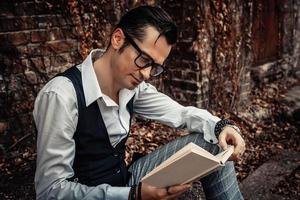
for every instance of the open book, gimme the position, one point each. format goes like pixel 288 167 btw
pixel 186 165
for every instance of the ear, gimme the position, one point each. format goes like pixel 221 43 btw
pixel 117 39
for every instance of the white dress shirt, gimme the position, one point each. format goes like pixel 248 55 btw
pixel 56 115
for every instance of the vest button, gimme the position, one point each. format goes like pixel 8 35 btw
pixel 116 154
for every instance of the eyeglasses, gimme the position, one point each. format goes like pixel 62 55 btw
pixel 143 60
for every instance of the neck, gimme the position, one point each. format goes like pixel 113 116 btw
pixel 105 77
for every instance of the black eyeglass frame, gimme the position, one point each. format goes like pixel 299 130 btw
pixel 141 52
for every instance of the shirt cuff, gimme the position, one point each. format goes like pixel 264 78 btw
pixel 118 193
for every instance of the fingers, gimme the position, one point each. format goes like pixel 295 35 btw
pixel 174 196
pixel 175 191
pixel 229 135
pixel 149 192
pixel 222 141
pixel 239 148
pixel 178 188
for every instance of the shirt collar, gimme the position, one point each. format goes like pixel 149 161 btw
pixel 91 88
pixel 90 85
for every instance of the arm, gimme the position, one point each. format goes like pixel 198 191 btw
pixel 151 104
pixel 55 115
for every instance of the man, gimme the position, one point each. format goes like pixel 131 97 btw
pixel 83 119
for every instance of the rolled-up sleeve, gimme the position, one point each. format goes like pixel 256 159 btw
pixel 55 114
pixel 151 104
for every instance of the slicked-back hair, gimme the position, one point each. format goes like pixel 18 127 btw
pixel 138 19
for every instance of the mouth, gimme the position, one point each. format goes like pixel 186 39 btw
pixel 137 80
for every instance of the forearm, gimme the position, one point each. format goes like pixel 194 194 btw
pixel 200 120
pixel 71 190
pixel 154 105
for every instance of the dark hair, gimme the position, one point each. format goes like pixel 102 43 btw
pixel 138 19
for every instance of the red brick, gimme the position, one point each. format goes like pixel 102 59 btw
pixel 52 34
pixel 53 47
pixel 51 21
pixel 177 74
pixel 18 38
pixel 39 36
pixel 57 34
pixel 63 46
pixel 192 97
pixel 191 76
pixel 17 23
pixel 69 33
pixel 183 85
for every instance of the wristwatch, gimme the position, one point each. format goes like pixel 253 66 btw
pixel 220 125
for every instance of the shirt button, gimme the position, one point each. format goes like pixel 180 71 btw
pixel 116 154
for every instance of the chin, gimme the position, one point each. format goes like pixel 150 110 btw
pixel 132 86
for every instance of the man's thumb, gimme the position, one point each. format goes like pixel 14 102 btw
pixel 222 142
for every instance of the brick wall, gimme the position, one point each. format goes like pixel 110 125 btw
pixel 35 43
pixel 192 69
pixel 183 68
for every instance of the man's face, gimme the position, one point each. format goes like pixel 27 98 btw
pixel 126 73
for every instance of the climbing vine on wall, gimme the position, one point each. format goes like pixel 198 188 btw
pixel 223 49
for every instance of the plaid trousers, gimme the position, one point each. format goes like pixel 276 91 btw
pixel 220 185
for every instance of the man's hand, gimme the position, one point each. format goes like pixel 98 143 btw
pixel 230 136
pixel 153 193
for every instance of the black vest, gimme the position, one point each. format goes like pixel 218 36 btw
pixel 96 160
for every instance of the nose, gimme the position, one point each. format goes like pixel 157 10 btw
pixel 145 72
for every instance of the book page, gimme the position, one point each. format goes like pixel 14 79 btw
pixel 203 174
pixel 176 155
